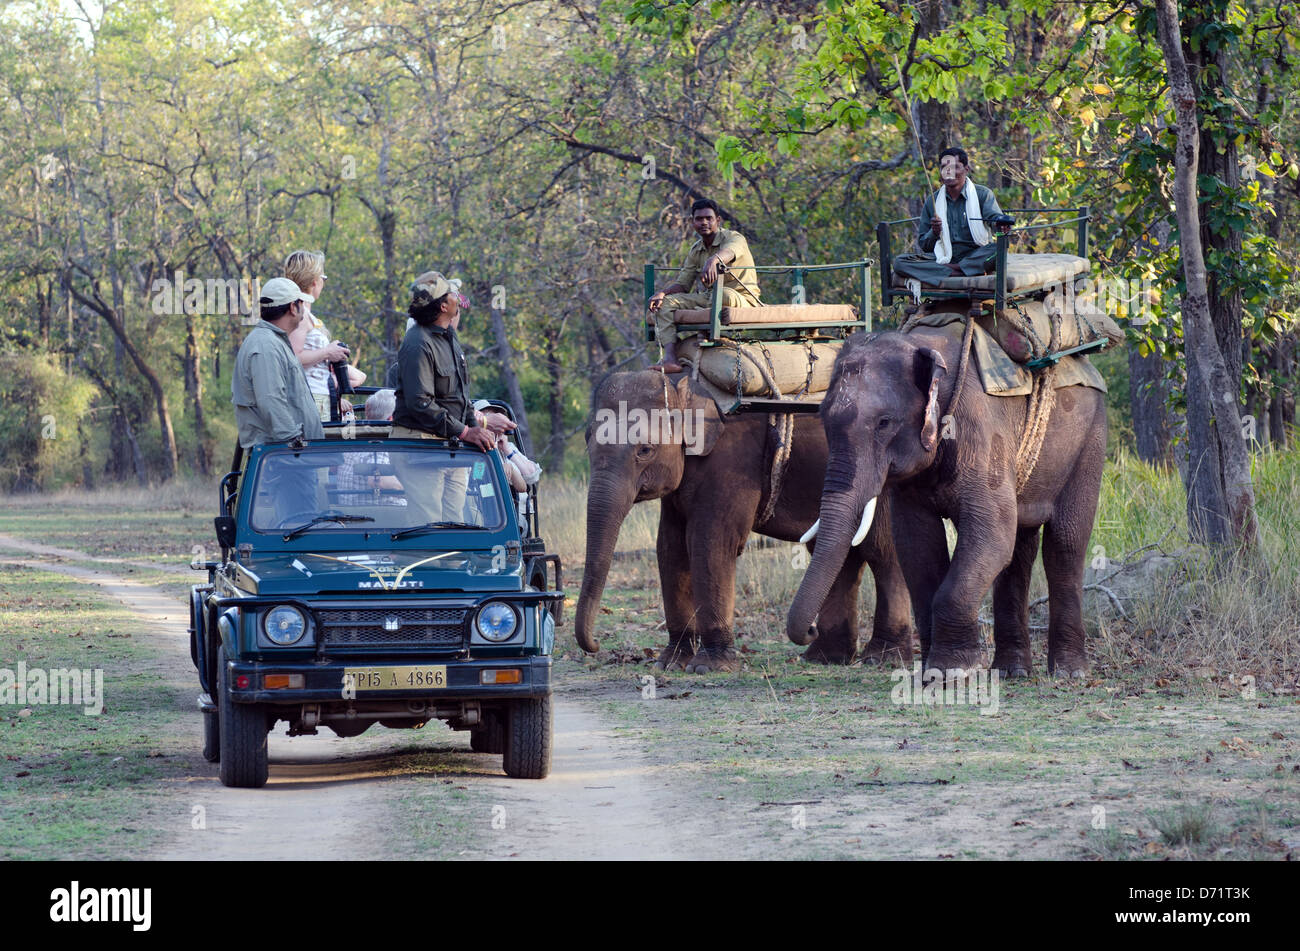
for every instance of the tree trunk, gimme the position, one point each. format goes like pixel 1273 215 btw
pixel 1220 496
pixel 113 318
pixel 1281 406
pixel 1147 392
pixel 1218 159
pixel 514 392
pixel 555 402
pixel 194 389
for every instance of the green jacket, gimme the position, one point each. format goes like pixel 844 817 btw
pixel 432 383
pixel 269 390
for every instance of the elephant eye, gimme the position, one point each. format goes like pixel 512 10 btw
pixel 644 450
pixel 884 422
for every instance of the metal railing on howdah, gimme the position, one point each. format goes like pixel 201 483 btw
pixel 1004 232
pixel 717 329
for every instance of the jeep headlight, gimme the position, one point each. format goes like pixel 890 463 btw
pixel 284 625
pixel 496 621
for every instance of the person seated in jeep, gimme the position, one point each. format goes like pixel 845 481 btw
pixel 359 478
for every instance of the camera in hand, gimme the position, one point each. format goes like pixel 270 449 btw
pixel 340 371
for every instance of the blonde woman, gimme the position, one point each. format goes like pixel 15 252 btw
pixel 311 341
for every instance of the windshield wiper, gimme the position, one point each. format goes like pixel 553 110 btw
pixel 436 525
pixel 327 517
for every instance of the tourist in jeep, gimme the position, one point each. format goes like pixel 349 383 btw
pixel 432 398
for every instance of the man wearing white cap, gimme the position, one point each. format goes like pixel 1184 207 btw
pixel 432 398
pixel 270 393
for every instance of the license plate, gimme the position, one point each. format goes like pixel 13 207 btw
pixel 395 678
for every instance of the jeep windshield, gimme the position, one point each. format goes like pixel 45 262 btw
pixel 375 487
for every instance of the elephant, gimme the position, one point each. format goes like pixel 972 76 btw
pixel 882 415
pixel 711 478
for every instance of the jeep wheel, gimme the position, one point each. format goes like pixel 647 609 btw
pixel 243 736
pixel 528 739
pixel 489 736
pixel 211 737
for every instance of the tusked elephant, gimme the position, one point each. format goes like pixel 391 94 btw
pixel 711 477
pixel 888 395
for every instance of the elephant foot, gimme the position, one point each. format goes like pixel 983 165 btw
pixel 1012 664
pixel 1072 664
pixel 709 659
pixel 824 654
pixel 676 656
pixel 882 653
pixel 950 659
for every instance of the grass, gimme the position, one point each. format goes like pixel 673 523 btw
pixel 76 786
pixel 876 778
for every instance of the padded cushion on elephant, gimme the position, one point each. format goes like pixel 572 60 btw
pixel 1023 271
pixel 726 399
pixel 811 314
pixel 1002 376
pixel 793 366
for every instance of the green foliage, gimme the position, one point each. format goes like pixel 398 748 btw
pixel 41 408
pixel 513 144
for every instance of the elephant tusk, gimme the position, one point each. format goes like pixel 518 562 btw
pixel 808 536
pixel 868 514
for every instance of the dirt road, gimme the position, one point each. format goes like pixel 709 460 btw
pixel 331 799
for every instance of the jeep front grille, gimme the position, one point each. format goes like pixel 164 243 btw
pixel 397 627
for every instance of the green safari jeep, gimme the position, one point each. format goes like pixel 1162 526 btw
pixel 342 600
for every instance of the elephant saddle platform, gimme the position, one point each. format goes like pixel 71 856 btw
pixel 1001 375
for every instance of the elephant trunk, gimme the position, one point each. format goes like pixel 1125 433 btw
pixel 608 502
pixel 844 522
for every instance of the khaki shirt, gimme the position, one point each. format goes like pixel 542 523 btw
pixel 269 390
pixel 740 268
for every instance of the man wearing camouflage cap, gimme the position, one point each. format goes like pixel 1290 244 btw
pixel 432 394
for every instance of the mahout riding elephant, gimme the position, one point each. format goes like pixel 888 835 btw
pixel 711 477
pixel 888 426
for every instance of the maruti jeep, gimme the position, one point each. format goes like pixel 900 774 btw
pixel 339 602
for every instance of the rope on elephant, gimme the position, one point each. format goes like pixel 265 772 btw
pixel 963 366
pixel 781 425
pixel 1041 402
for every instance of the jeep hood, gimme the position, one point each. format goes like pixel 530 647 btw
pixel 305 573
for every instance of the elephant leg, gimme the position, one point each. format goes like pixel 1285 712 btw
pixel 922 546
pixel 891 627
pixel 714 549
pixel 675 583
pixel 837 624
pixel 984 547
pixel 1012 655
pixel 1063 558
pixel 1065 549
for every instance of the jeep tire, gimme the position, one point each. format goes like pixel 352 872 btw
pixel 243 735
pixel 489 736
pixel 527 753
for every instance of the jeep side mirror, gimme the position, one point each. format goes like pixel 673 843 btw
pixel 225 526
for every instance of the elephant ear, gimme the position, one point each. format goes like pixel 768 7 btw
pixel 928 368
pixel 700 420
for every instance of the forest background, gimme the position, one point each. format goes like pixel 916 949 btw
pixel 158 155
